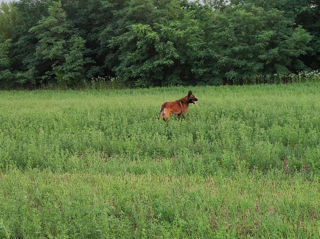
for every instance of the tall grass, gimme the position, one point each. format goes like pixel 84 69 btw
pixel 255 127
pixel 46 205
pixel 98 163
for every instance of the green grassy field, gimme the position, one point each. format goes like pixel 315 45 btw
pixel 98 164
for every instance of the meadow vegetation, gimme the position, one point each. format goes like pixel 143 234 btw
pixel 98 163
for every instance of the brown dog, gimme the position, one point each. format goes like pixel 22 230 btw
pixel 178 107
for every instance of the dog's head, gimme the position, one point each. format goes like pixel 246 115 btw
pixel 191 98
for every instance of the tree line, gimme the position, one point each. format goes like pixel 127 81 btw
pixel 142 43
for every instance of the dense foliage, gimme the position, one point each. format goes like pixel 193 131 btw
pixel 156 42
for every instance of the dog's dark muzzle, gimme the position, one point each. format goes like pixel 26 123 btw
pixel 193 100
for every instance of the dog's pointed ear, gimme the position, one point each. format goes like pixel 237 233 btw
pixel 189 93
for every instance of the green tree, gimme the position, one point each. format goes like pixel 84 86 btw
pixel 73 68
pixel 27 68
pixel 250 41
pixel 144 57
pixel 6 75
pixel 159 44
pixel 304 13
pixel 156 42
pixel 309 18
pixel 89 18
pixel 58 47
pixel 8 18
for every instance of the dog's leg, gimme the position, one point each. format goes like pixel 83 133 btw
pixel 162 112
pixel 167 114
pixel 162 115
